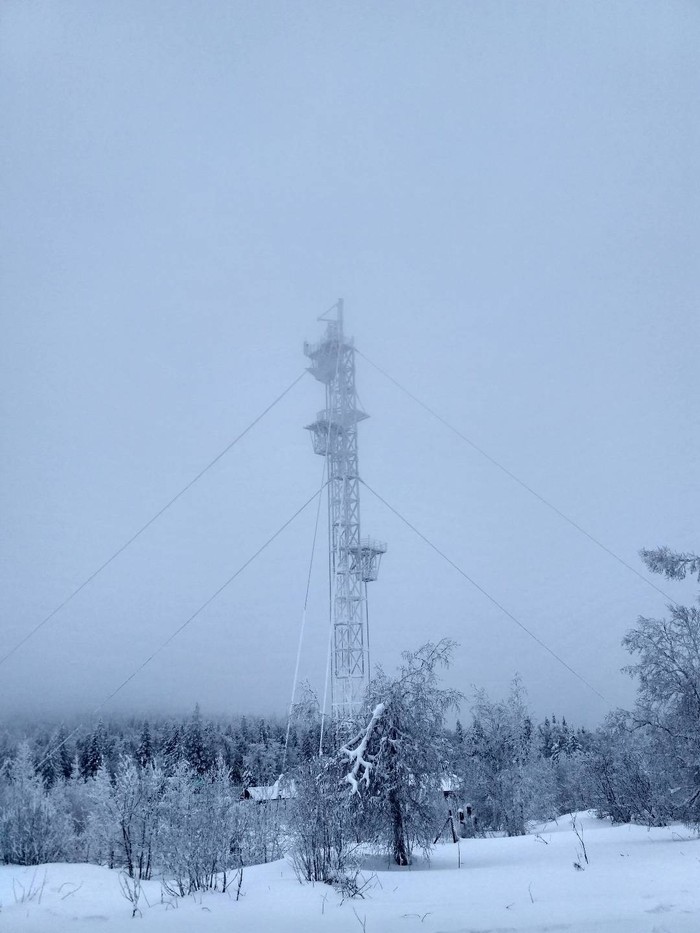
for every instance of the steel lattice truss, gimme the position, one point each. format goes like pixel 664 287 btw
pixel 354 561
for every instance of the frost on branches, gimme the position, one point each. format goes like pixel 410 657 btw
pixel 667 665
pixel 361 760
pixel 673 565
pixel 398 759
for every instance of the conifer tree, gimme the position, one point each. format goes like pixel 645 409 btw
pixel 197 754
pixel 95 752
pixel 144 752
pixel 171 749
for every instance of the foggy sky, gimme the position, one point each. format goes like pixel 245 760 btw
pixel 506 195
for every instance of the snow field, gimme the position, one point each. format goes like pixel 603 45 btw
pixel 636 881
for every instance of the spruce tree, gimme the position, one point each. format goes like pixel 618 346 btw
pixel 144 752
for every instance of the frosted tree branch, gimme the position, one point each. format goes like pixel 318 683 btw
pixel 361 761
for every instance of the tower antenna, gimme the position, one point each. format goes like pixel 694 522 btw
pixel 354 560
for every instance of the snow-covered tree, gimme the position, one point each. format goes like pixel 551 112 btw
pixel 674 565
pixel 196 753
pixel 94 753
pixel 171 751
pixel 667 666
pixel 396 759
pixel 546 738
pixel 305 725
pixel 262 763
pixel 506 781
pixel 628 776
pixel 144 752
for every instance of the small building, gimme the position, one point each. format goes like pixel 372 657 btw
pixel 282 790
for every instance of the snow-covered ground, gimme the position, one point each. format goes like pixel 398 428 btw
pixel 636 881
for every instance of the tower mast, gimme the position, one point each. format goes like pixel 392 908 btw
pixel 354 561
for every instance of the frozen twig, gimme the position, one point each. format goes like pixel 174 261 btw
pixel 33 892
pixel 131 889
pixel 69 893
pixel 582 850
pixel 363 922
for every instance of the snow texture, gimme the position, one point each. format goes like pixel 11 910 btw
pixel 636 881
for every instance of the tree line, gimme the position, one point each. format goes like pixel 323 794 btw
pixel 253 748
pixel 166 796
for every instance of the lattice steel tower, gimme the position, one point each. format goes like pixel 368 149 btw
pixel 354 561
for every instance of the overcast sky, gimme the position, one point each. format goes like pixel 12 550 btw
pixel 507 197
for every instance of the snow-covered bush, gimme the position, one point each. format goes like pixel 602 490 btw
pixel 262 831
pixel 79 805
pixel 35 826
pixel 201 827
pixel 321 844
pixel 125 819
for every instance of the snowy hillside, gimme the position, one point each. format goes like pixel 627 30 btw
pixel 636 881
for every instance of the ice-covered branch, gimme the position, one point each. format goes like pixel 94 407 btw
pixel 361 761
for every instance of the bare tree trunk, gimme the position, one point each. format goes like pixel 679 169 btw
pixel 127 849
pixel 399 847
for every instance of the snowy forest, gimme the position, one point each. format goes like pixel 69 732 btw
pixel 173 797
